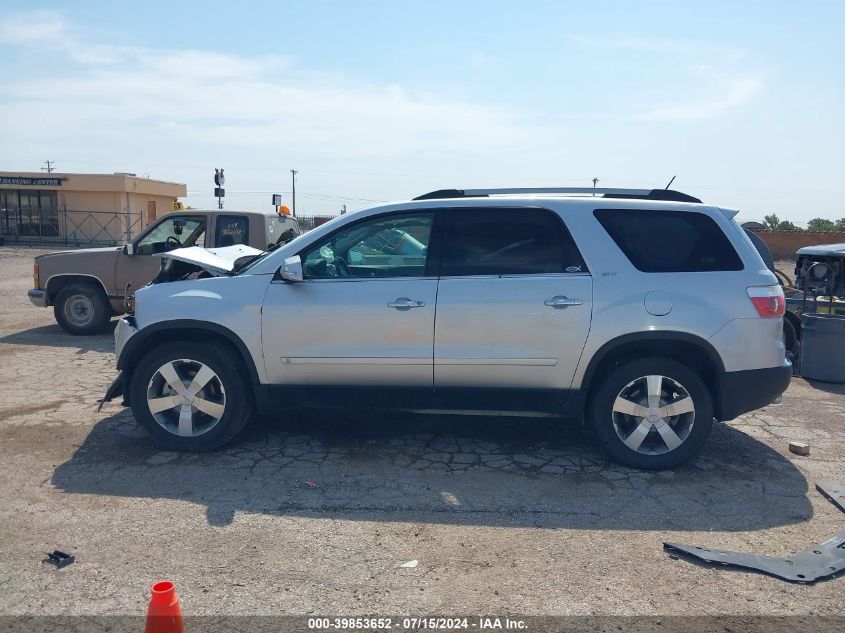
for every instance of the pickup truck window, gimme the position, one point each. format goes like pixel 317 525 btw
pixel 174 232
pixel 231 230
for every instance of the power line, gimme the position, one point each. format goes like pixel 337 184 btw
pixel 49 168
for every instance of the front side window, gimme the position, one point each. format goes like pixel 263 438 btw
pixel 508 242
pixel 386 246
pixel 669 241
pixel 173 232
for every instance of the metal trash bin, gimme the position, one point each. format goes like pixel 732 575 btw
pixel 823 347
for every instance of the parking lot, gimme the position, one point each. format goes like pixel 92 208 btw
pixel 316 512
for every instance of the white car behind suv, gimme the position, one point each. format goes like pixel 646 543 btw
pixel 644 312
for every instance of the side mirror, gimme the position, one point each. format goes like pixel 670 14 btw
pixel 292 269
pixel 129 249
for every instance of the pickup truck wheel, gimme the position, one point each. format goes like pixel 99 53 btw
pixel 653 413
pixel 190 397
pixel 82 309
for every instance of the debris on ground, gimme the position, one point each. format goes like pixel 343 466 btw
pixel 59 559
pixel 817 562
pixel 799 448
pixel 834 491
pixel 311 484
pixel 814 563
pixel 410 564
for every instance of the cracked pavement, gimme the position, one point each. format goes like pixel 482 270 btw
pixel 504 514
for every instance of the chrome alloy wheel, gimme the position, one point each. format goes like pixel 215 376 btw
pixel 186 397
pixel 79 310
pixel 653 415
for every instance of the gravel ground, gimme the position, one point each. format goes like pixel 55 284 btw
pixel 503 515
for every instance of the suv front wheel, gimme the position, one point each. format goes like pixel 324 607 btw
pixel 652 413
pixel 190 397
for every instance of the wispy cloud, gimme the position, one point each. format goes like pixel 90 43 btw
pixel 734 94
pixel 189 95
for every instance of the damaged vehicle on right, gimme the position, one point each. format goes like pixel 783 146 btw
pixel 644 313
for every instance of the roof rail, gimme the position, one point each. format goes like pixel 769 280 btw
pixel 641 194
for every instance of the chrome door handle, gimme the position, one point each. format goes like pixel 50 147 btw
pixel 403 303
pixel 560 301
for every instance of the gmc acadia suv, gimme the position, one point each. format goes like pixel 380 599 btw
pixel 644 312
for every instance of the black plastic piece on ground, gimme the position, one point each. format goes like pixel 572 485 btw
pixel 59 559
pixel 817 562
pixel 834 491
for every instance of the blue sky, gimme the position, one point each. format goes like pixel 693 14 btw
pixel 372 101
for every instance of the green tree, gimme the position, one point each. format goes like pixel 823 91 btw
pixel 771 222
pixel 786 225
pixel 820 224
pixel 840 224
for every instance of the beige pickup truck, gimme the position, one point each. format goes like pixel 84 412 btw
pixel 87 287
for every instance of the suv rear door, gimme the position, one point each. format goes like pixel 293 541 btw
pixel 513 303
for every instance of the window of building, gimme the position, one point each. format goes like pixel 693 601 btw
pixel 29 212
pixel 669 241
pixel 508 242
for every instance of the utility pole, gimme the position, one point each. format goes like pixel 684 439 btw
pixel 49 168
pixel 595 182
pixel 343 210
pixel 293 174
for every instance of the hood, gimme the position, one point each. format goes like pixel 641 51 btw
pixel 83 251
pixel 215 260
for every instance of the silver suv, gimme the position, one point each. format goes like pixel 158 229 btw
pixel 644 312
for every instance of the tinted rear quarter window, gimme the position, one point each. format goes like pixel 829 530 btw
pixel 508 242
pixel 669 241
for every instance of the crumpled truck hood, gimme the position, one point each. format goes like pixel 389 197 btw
pixel 218 261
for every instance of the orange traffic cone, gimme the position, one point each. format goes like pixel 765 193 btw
pixel 164 614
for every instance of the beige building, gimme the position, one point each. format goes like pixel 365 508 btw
pixel 81 208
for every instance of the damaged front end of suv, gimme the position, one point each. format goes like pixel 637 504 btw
pixel 181 265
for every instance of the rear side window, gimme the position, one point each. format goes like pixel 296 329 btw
pixel 232 229
pixel 508 242
pixel 669 241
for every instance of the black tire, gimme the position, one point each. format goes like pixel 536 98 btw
pixel 236 397
pixel 605 422
pixel 790 338
pixel 82 309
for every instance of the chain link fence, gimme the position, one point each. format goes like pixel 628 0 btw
pixel 67 227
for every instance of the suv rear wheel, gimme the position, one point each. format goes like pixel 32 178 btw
pixel 82 309
pixel 190 397
pixel 652 413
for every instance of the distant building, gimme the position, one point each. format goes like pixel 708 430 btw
pixel 36 207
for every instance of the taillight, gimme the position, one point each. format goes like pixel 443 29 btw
pixel 35 281
pixel 768 300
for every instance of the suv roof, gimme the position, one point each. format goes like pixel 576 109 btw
pixel 669 195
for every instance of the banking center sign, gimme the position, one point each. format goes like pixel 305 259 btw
pixel 31 182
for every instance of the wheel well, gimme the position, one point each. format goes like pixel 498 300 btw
pixel 795 320
pixel 684 351
pixel 57 283
pixel 182 335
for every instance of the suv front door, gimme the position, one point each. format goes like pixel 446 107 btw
pixel 514 301
pixel 364 314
